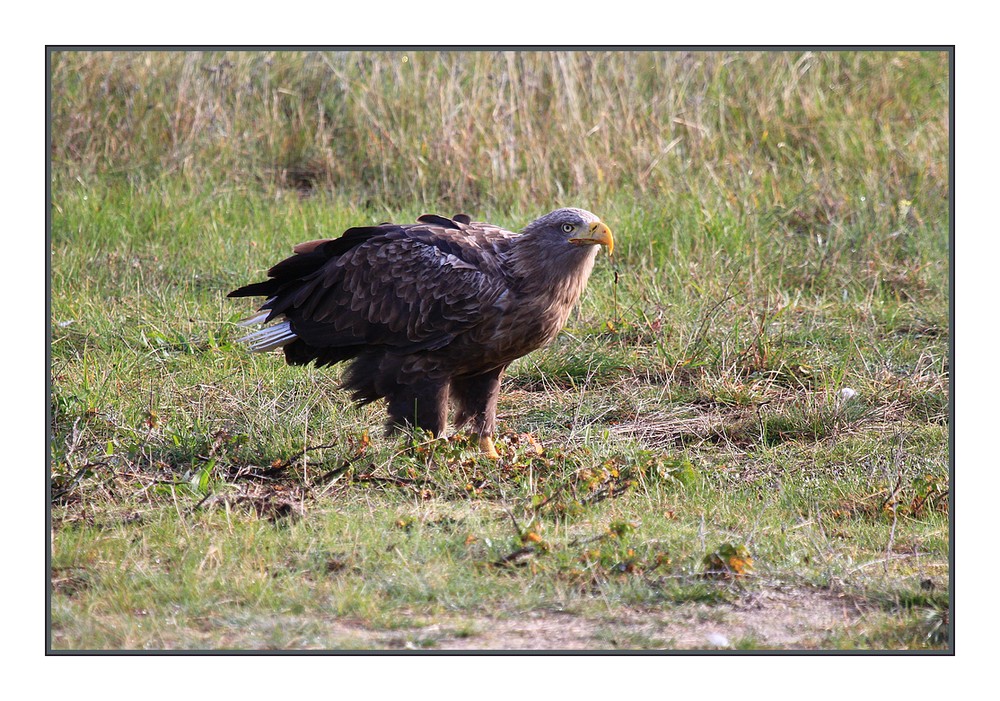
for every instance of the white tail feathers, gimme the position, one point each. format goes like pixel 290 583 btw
pixel 268 338
pixel 258 318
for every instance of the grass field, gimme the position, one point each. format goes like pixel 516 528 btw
pixel 740 441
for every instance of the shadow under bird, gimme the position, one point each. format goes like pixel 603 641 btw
pixel 429 314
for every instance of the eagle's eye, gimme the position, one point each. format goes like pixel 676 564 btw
pixel 568 228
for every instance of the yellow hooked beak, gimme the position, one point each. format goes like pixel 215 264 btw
pixel 599 234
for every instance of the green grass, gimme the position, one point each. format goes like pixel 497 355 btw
pixel 782 234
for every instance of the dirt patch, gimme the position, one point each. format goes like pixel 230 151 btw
pixel 793 619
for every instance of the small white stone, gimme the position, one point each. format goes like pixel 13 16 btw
pixel 717 639
pixel 846 394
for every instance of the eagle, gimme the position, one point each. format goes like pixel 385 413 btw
pixel 429 314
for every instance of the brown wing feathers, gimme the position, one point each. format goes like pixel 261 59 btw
pixel 309 257
pixel 410 288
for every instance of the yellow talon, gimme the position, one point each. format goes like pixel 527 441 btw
pixel 486 445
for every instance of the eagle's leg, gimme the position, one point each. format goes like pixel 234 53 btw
pixel 423 404
pixel 476 401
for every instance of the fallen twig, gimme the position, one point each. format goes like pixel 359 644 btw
pixel 514 557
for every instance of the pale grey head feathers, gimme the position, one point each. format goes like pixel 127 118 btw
pixel 571 216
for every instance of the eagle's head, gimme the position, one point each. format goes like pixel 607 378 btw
pixel 572 226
